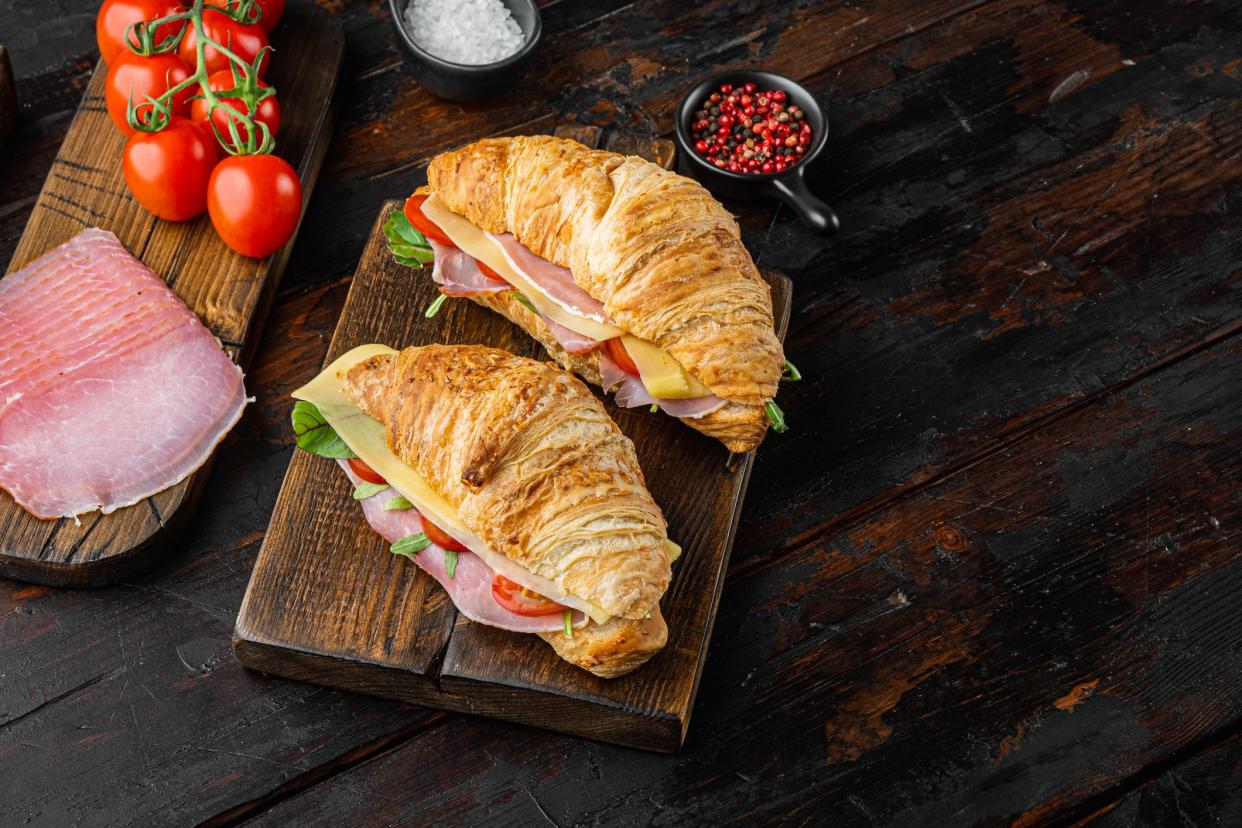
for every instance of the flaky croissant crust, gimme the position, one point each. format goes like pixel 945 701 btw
pixel 663 256
pixel 532 463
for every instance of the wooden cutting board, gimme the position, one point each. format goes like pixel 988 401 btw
pixel 229 292
pixel 329 604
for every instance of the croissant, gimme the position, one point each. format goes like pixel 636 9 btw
pixel 664 258
pixel 537 471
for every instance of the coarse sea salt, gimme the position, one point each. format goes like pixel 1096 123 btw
pixel 471 32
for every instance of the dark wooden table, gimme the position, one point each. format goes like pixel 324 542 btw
pixel 991 575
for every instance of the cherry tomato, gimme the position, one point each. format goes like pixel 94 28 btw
pixel 255 202
pixel 144 77
pixel 222 81
pixel 441 538
pixel 168 171
pixel 414 212
pixel 360 468
pixel 116 16
pixel 246 40
pixel 521 601
pixel 616 350
pixel 272 10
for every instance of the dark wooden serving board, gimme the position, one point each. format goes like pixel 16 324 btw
pixel 328 603
pixel 229 292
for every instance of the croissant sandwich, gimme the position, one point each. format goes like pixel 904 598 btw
pixel 632 277
pixel 505 480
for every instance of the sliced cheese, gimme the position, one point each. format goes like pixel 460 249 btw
pixel 366 438
pixel 475 242
pixel 662 375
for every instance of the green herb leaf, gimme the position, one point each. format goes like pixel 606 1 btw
pixel 776 417
pixel 315 435
pixel 365 490
pixel 569 623
pixel 518 296
pixel 399 231
pixel 410 545
pixel 655 407
pixel 434 307
pixel 409 247
pixel 450 562
pixel 408 251
pixel 397 504
pixel 792 374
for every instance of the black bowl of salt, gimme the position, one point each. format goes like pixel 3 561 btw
pixel 467 50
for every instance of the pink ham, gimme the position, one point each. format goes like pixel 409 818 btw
pixel 571 341
pixel 631 393
pixel 471 584
pixel 555 281
pixel 110 388
pixel 458 274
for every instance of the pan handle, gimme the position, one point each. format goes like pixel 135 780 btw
pixel 813 212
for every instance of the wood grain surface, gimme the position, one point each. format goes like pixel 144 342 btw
pixel 352 615
pixel 230 293
pixel 1032 306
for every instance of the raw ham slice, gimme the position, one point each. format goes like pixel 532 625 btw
pixel 555 281
pixel 571 341
pixel 471 584
pixel 110 388
pixel 631 393
pixel 458 274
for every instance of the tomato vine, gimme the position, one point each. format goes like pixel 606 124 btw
pixel 247 135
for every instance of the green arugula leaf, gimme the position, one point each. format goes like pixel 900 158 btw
pixel 365 490
pixel 434 307
pixel 408 246
pixel 569 623
pixel 397 504
pixel 791 374
pixel 315 435
pixel 776 417
pixel 450 562
pixel 410 545
pixel 518 296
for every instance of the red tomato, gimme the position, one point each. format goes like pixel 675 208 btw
pixel 439 537
pixel 245 40
pixel 414 212
pixel 116 16
pixel 143 77
pixel 168 171
pixel 222 81
pixel 522 601
pixel 488 272
pixel 272 10
pixel 616 350
pixel 360 468
pixel 255 202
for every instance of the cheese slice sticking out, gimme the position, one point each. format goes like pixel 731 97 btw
pixel 366 438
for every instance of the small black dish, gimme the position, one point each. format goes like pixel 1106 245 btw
pixel 462 82
pixel 789 186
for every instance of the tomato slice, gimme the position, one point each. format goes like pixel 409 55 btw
pixel 414 212
pixel 616 350
pixel 522 601
pixel 488 272
pixel 439 537
pixel 364 471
